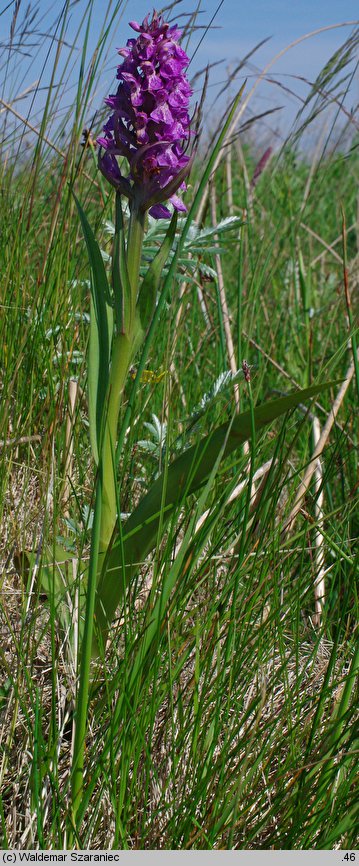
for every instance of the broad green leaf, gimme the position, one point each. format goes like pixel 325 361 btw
pixel 54 579
pixel 97 376
pixel 184 476
pixel 101 329
pixel 5 689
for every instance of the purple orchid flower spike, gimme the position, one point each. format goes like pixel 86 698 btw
pixel 150 124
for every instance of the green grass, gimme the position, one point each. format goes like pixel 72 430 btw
pixel 239 725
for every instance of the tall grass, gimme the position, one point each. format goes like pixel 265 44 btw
pixel 238 727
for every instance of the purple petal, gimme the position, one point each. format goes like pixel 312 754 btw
pixel 155 83
pixel 159 211
pixel 102 142
pixel 162 114
pixel 178 203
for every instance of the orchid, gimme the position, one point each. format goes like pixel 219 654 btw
pixel 143 155
pixel 150 123
pixel 150 129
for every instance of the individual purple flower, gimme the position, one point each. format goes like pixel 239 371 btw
pixel 150 123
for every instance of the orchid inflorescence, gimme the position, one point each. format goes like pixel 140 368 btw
pixel 150 123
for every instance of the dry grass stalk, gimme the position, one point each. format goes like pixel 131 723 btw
pixel 223 299
pixel 260 473
pixel 8 106
pixel 303 487
pixel 330 247
pixel 284 373
pixel 69 443
pixel 319 565
pixel 21 440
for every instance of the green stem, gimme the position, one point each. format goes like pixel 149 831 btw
pixel 136 230
pixel 77 771
pixel 116 267
pixel 124 348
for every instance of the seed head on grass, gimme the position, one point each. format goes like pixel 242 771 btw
pixel 150 123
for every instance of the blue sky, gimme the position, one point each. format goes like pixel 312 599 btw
pixel 238 27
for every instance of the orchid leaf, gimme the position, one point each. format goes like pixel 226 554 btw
pixel 147 297
pixel 184 476
pixel 53 578
pixel 101 329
